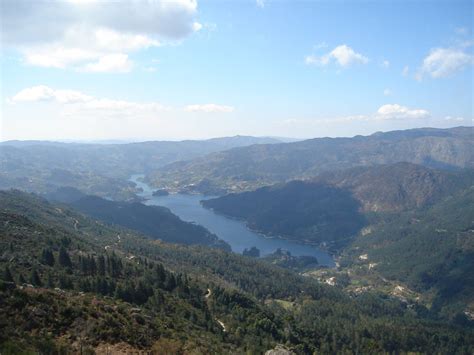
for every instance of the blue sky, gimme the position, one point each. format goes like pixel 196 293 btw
pixel 186 69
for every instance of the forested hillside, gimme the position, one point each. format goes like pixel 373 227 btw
pixel 398 187
pixel 154 221
pixel 430 250
pixel 71 283
pixel 247 168
pixel 332 207
pixel 401 223
pixel 300 210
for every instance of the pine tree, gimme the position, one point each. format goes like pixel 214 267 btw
pixel 64 259
pixel 92 265
pixel 101 265
pixel 7 275
pixel 21 279
pixel 65 282
pixel 47 257
pixel 50 282
pixel 35 279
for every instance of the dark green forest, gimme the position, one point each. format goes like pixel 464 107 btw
pixel 69 282
pixel 157 222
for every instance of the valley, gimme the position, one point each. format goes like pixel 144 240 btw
pixel 235 233
pixel 374 256
pixel 258 177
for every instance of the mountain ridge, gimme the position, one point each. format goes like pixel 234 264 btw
pixel 247 168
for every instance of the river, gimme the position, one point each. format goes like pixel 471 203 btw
pixel 235 233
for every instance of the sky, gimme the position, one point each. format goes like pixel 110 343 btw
pixel 186 69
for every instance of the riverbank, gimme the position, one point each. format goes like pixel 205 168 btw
pixel 234 232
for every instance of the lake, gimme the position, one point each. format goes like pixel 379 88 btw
pixel 234 232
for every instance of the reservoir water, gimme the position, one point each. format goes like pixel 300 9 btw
pixel 235 233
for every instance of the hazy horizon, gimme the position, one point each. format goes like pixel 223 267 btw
pixel 142 140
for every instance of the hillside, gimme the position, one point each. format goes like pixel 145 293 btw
pixel 251 167
pixel 154 221
pixel 397 187
pixel 331 208
pixel 306 211
pixel 99 169
pixel 430 250
pixel 92 290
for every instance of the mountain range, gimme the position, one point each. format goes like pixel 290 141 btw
pixel 99 169
pixel 86 266
pixel 247 168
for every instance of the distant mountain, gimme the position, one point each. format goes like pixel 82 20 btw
pixel 247 168
pixel 99 169
pixel 331 207
pixel 154 221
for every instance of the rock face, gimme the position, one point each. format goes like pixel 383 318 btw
pixel 251 167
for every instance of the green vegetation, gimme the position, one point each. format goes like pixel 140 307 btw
pixel 284 259
pixel 300 210
pixel 248 168
pixel 430 250
pixel 154 221
pixel 417 241
pixel 94 289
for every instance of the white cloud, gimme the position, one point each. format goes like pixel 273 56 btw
pixel 444 62
pixel 260 3
pixel 387 92
pixel 208 108
pixel 395 111
pixel 86 34
pixel 197 26
pixel 110 63
pixel 385 64
pixel 110 40
pixel 45 93
pixel 384 113
pixel 405 70
pixel 77 104
pixel 57 56
pixel 342 55
pixel 456 119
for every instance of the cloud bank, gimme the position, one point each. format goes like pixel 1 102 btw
pixel 93 35
pixel 76 103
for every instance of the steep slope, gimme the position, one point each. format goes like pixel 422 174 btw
pixel 155 221
pixel 247 168
pixel 431 250
pixel 397 187
pixel 331 207
pixel 93 290
pixel 306 211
